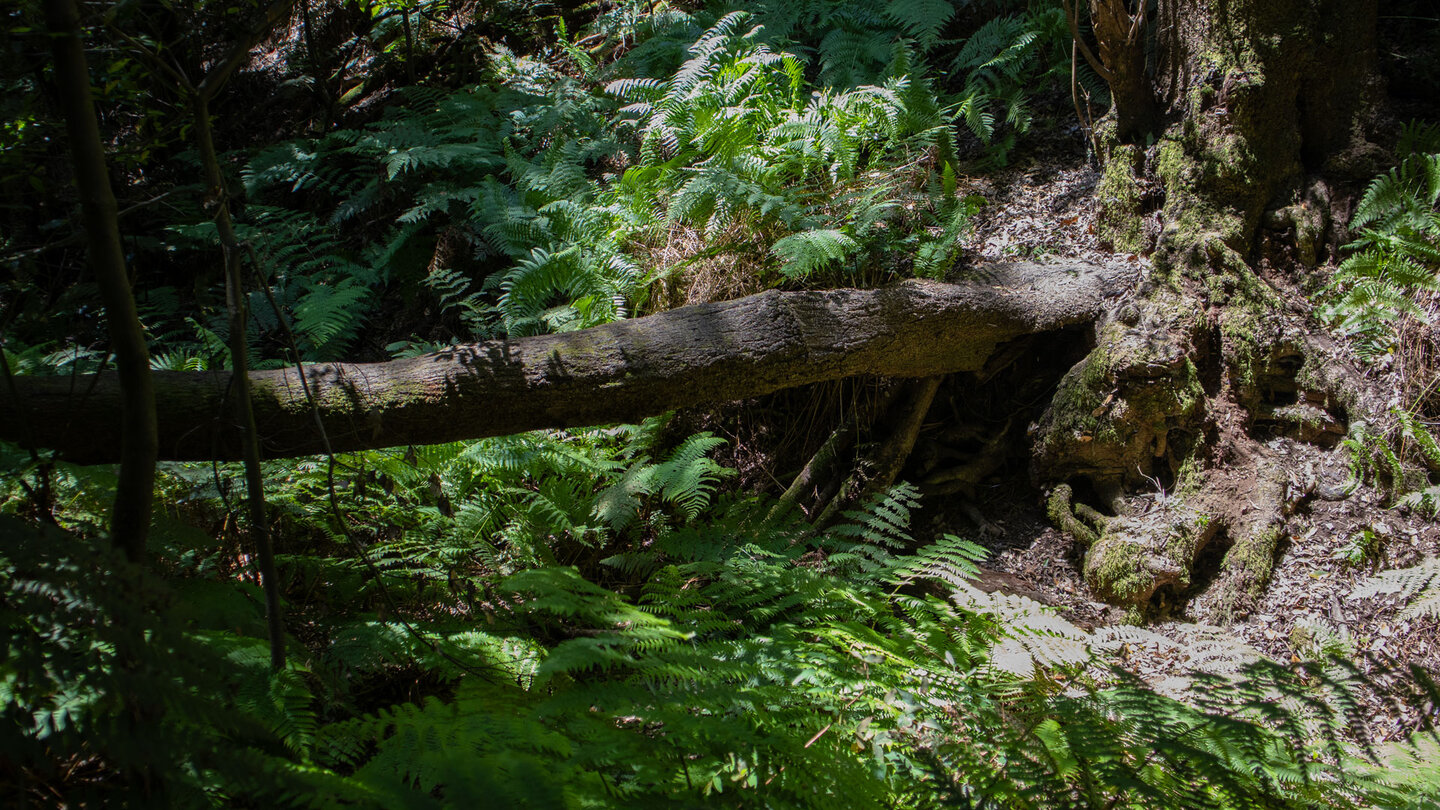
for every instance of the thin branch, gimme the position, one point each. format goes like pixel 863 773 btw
pixel 78 236
pixel 220 73
pixel 153 59
pixel 1072 16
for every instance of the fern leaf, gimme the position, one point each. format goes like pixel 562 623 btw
pixel 329 316
pixel 1418 586
pixel 809 251
pixel 921 19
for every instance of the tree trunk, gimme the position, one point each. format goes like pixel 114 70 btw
pixel 1261 97
pixel 134 433
pixel 619 372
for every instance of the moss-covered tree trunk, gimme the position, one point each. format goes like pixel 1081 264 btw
pixel 1265 104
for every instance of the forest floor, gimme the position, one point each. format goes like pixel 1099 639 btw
pixel 1044 205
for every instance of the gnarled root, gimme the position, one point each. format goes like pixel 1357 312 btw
pixel 1133 557
pixel 1171 401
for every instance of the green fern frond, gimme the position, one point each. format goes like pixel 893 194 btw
pixel 974 110
pixel 178 361
pixel 532 288
pixel 686 480
pixel 329 316
pixel 810 251
pixel 951 560
pixel 701 64
pixel 1407 774
pixel 921 19
pixel 1403 196
pixel 1418 137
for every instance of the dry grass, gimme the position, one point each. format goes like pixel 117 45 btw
pixel 1417 358
pixel 692 267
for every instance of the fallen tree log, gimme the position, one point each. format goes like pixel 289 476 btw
pixel 619 372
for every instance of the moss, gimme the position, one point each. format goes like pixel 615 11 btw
pixel 1244 344
pixel 1113 414
pixel 1183 542
pixel 1127 568
pixel 1301 415
pixel 1192 220
pixel 1119 197
pixel 1080 395
pixel 1122 572
pixel 1185 392
pixel 270 395
pixel 1249 564
pixel 1059 508
pixel 1173 166
pixel 1253 559
pixel 1190 477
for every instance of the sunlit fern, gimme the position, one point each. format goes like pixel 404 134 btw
pixel 1418 587
pixel 1395 255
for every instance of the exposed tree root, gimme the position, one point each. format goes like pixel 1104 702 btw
pixel 1133 557
pixel 815 484
pixel 1167 422
pixel 890 456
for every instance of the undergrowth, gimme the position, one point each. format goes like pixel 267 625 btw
pixel 628 168
pixel 583 619
pixel 592 618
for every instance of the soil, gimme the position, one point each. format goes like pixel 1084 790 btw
pixel 1044 205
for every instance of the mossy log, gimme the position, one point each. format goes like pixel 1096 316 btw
pixel 618 372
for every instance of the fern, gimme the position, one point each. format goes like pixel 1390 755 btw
pixel 586 297
pixel 327 316
pixel 805 253
pixel 921 19
pixel 871 535
pixel 1417 137
pixel 953 561
pixel 1396 255
pixel 686 480
pixel 1373 460
pixel 754 663
pixel 100 667
pixel 454 292
pixel 1407 776
pixel 1418 587
pixel 465 751
pixel 1405 196
pixel 1389 462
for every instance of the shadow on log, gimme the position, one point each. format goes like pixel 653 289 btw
pixel 619 372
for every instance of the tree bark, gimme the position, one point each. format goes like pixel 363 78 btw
pixel 1260 93
pixel 133 438
pixel 1260 98
pixel 1120 61
pixel 618 372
